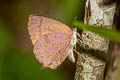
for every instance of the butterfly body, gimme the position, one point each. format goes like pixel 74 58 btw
pixel 73 45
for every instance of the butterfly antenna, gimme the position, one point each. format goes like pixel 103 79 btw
pixel 74 21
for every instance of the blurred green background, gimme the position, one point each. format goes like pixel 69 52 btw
pixel 17 61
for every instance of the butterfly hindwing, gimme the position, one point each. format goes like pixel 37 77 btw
pixel 52 49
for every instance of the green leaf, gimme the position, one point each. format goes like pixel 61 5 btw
pixel 111 34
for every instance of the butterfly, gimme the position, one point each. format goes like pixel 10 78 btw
pixel 52 40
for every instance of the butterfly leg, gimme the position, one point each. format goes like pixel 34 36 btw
pixel 76 51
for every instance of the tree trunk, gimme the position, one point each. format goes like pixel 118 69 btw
pixel 91 66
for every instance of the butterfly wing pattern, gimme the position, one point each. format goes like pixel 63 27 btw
pixel 51 40
pixel 52 49
pixel 40 25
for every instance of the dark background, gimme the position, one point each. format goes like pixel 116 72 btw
pixel 17 61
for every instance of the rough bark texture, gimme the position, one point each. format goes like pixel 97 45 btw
pixel 90 67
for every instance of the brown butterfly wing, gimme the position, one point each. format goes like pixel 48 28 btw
pixel 39 25
pixel 52 49
pixel 34 24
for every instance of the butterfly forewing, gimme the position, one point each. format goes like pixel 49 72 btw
pixel 39 25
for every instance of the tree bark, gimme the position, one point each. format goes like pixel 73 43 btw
pixel 89 66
